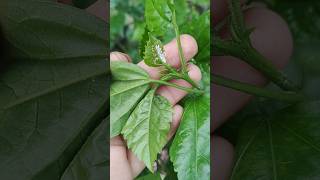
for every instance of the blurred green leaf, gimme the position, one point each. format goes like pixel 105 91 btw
pixel 199 28
pixel 285 145
pixel 157 16
pixel 92 161
pixel 55 93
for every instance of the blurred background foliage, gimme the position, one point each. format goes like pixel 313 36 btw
pixel 127 22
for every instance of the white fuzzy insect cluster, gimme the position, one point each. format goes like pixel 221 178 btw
pixel 160 53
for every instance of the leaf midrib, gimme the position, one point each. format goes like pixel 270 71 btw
pixel 274 167
pixel 196 136
pixel 149 115
pixel 245 150
pixel 130 88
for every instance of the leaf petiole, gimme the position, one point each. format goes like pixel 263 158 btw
pixel 177 32
pixel 189 90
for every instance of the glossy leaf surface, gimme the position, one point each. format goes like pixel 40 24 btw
pixel 190 150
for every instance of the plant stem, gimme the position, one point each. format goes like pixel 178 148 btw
pixel 251 56
pixel 178 75
pixel 250 89
pixel 177 32
pixel 189 90
pixel 187 78
pixel 240 46
pixel 238 28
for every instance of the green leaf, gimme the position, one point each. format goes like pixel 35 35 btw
pixel 132 83
pixel 92 161
pixel 48 30
pixel 154 53
pixel 123 71
pixel 83 3
pixel 190 150
pixel 54 96
pixel 283 146
pixel 149 176
pixel 157 16
pixel 143 42
pixel 124 96
pixel 147 128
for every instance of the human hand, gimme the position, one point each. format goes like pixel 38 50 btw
pixel 99 8
pixel 272 38
pixel 123 163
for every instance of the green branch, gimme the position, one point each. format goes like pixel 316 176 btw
pixel 240 47
pixel 189 90
pixel 257 91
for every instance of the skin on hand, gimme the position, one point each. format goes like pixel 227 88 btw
pixel 273 39
pixel 124 165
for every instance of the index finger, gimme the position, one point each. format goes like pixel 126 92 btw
pixel 189 48
pixel 220 9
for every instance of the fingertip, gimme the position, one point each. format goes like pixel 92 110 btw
pixel 272 36
pixel 194 72
pixel 119 56
pixel 189 47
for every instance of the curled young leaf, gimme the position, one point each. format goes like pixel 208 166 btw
pixel 147 128
pixel 154 54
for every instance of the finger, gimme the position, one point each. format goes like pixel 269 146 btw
pixel 99 9
pixel 119 56
pixel 220 10
pixel 138 165
pixel 273 39
pixel 222 154
pixel 177 114
pixel 189 48
pixel 174 95
pixel 119 166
